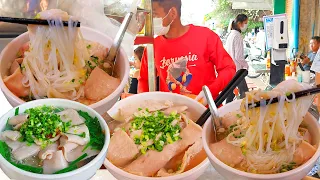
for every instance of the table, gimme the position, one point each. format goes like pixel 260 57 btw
pixel 265 77
pixel 102 174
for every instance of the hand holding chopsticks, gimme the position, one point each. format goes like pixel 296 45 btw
pixel 31 21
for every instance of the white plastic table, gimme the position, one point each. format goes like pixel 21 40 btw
pixel 102 174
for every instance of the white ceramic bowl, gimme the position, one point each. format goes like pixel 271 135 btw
pixel 9 53
pixel 196 110
pixel 83 173
pixel 234 174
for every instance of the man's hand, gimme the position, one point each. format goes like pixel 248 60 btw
pixel 184 90
pixel 201 98
pixel 125 95
pixel 305 61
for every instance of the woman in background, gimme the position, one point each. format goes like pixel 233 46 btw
pixel 234 46
pixel 138 52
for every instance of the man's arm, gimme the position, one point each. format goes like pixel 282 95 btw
pixel 223 63
pixel 143 79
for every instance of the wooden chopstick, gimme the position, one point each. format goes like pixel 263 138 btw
pixel 31 21
pixel 299 94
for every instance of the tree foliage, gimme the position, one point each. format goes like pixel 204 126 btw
pixel 224 13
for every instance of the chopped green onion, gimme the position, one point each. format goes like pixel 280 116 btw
pixel 16 113
pixel 43 124
pixel 95 59
pixel 89 46
pixel 157 127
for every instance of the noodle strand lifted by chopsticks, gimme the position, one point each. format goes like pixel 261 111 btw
pixel 56 60
pixel 271 132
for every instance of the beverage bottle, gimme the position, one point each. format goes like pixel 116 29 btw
pixel 268 60
pixel 287 71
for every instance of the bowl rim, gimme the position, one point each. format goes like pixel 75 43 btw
pixel 210 155
pixel 70 103
pixel 204 164
pixel 94 105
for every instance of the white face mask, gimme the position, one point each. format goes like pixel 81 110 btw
pixel 244 28
pixel 158 28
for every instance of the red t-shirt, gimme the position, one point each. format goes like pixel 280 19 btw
pixel 187 63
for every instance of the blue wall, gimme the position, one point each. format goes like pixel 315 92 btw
pixel 295 25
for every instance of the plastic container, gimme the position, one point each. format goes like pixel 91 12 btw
pixel 299 78
pixel 306 77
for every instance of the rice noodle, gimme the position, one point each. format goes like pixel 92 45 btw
pixel 271 132
pixel 56 59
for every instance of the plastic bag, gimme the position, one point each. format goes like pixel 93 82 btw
pixel 92 14
pixel 19 9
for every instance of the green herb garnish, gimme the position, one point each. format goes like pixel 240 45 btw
pixel 37 16
pixel 89 46
pixel 43 124
pixel 95 59
pixel 73 165
pixel 72 80
pixel 83 135
pixel 27 98
pixel 288 167
pixel 16 112
pixel 238 116
pixel 89 64
pixel 22 67
pixel 241 135
pixel 87 74
pixel 96 134
pixel 157 127
pixel 5 151
pixel 231 128
pixel 37 170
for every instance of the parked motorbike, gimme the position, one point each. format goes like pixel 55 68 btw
pixel 254 58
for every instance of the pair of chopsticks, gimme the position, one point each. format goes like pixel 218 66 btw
pixel 240 75
pixel 295 95
pixel 31 21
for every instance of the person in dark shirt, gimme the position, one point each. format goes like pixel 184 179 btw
pixel 314 47
pixel 138 52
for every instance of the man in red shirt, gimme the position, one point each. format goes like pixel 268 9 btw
pixel 186 57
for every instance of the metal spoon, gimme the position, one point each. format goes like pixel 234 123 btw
pixel 110 60
pixel 213 109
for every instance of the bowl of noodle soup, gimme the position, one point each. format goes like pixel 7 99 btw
pixel 173 149
pixel 62 82
pixel 232 156
pixel 38 160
